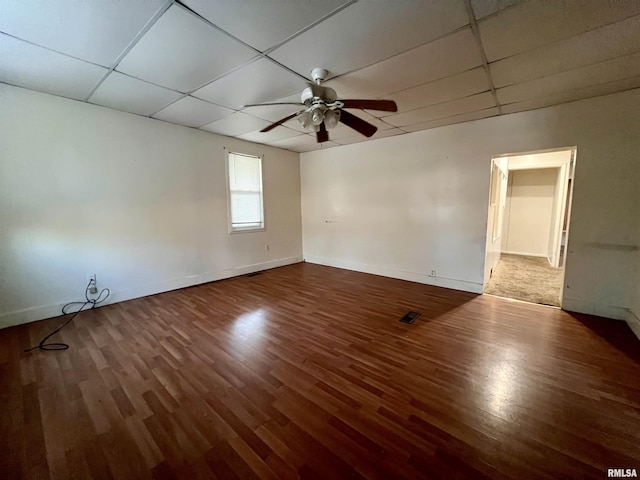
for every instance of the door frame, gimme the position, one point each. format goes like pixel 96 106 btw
pixel 526 161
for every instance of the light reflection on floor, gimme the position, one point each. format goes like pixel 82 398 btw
pixel 248 330
pixel 503 393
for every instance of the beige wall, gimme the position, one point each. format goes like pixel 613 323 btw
pixel 139 202
pixel 404 206
pixel 529 211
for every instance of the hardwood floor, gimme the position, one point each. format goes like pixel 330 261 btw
pixel 305 372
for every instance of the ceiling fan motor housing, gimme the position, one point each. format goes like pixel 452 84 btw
pixel 307 97
pixel 319 75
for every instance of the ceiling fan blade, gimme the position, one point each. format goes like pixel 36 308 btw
pixel 359 125
pixel 276 103
pixel 382 105
pixel 322 135
pixel 279 122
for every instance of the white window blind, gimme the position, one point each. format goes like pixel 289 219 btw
pixel 245 192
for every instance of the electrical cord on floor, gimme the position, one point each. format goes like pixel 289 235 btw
pixel 89 301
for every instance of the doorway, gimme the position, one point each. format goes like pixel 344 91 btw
pixel 527 225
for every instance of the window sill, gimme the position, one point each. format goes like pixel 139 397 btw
pixel 246 230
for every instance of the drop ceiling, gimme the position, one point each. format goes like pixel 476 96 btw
pixel 198 62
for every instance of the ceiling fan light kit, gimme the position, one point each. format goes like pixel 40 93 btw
pixel 331 118
pixel 323 110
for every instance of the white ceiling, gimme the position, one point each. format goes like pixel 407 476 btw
pixel 198 62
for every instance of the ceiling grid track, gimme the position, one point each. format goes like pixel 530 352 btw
pixel 309 27
pixel 434 39
pixel 262 54
pixel 188 63
pixel 258 56
pixel 211 24
pixel 161 11
pixel 485 63
pixel 44 47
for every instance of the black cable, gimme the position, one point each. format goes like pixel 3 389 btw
pixel 89 301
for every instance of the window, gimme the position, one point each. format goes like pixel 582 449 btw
pixel 246 209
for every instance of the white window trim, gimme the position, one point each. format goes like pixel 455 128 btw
pixel 230 227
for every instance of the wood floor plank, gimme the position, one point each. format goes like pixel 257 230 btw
pixel 305 372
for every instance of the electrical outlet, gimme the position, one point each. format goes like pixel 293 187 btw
pixel 433 273
pixel 93 284
pixel 266 247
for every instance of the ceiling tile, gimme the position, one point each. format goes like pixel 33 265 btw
pixel 192 112
pixel 484 8
pixel 277 133
pixel 442 110
pixel 538 22
pixel 94 31
pixel 294 97
pixel 260 81
pixel 236 124
pixel 318 146
pixel 132 95
pixel 465 117
pixel 596 74
pixel 368 32
pixel 420 53
pixel 443 90
pixel 263 24
pixel 182 52
pixel 438 59
pixel 295 106
pixel 39 69
pixel 361 138
pixel 297 144
pixel 573 95
pixel 365 115
pixel 294 125
pixel 351 140
pixel 388 133
pixel 341 131
pixel 595 46
pixel 273 113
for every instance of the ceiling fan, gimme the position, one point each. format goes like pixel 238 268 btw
pixel 323 110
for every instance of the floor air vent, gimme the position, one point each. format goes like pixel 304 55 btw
pixel 410 317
